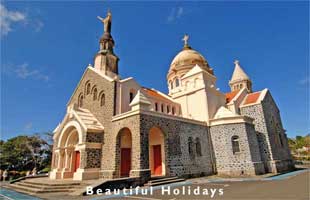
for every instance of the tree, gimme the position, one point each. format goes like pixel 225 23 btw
pixel 25 153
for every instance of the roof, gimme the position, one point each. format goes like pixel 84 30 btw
pixel 238 73
pixel 155 94
pixel 140 98
pixel 188 54
pixel 223 112
pixel 231 95
pixel 252 98
pixel 88 119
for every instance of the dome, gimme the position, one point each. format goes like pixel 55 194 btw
pixel 185 61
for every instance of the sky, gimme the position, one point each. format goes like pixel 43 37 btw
pixel 46 46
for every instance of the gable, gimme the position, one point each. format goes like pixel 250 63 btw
pixel 89 74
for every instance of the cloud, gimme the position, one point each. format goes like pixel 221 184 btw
pixel 24 72
pixel 28 126
pixel 8 18
pixel 175 14
pixel 304 81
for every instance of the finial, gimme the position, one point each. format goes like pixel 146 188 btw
pixel 185 39
pixel 236 62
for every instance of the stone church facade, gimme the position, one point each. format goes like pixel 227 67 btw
pixel 114 127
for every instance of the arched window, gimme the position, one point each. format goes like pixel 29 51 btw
pixel 130 96
pixel 95 94
pixel 80 100
pixel 190 148
pixel 198 147
pixel 87 88
pixel 173 110
pixel 102 99
pixel 162 107
pixel 171 84
pixel 168 109
pixel 156 106
pixel 177 82
pixel 235 144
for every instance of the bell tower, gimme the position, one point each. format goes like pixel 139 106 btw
pixel 240 79
pixel 105 60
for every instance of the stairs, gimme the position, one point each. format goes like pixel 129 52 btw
pixel 48 186
pixel 162 180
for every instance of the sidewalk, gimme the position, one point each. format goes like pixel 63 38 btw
pixel 265 177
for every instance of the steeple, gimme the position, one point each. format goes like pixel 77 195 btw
pixel 105 60
pixel 240 79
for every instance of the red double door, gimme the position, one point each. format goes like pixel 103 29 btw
pixel 157 160
pixel 125 161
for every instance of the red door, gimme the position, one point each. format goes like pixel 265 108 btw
pixel 157 160
pixel 125 161
pixel 77 160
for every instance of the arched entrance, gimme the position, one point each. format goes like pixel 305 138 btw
pixel 69 157
pixel 157 152
pixel 125 143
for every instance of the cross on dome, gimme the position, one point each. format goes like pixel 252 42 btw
pixel 185 39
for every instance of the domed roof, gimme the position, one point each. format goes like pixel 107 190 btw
pixel 186 59
pixel 187 56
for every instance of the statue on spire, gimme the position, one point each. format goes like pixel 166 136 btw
pixel 106 21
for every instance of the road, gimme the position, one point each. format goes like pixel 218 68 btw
pixel 291 188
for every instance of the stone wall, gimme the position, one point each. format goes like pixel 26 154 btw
pixel 103 113
pixel 94 137
pixel 256 113
pixel 111 157
pixel 93 158
pixel 178 160
pixel 272 139
pixel 247 160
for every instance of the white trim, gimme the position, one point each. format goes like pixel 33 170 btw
pixel 74 124
pixel 231 120
pixel 157 114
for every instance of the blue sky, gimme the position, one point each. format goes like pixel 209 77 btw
pixel 46 46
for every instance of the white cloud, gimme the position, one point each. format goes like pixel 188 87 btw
pixel 175 14
pixel 24 72
pixel 8 18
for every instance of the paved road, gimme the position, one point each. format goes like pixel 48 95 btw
pixel 284 187
pixel 292 188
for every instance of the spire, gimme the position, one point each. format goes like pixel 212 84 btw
pixel 239 79
pixel 105 60
pixel 238 73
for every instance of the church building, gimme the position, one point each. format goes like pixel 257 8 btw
pixel 114 127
